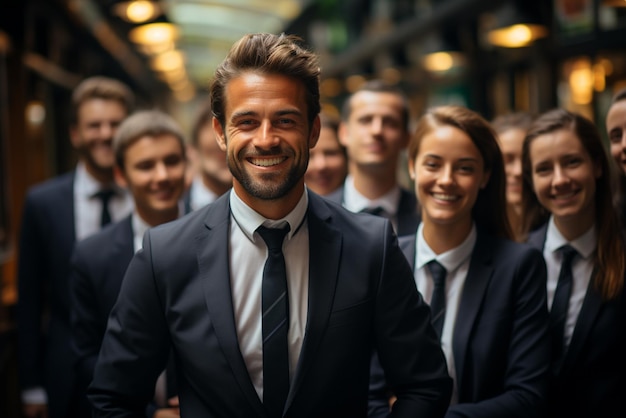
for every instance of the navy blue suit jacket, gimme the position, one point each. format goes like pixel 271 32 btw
pixel 99 263
pixel 500 340
pixel 361 295
pixel 46 241
pixel 592 379
pixel 408 215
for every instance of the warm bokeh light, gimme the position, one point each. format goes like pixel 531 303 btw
pixel 35 113
pixel 516 36
pixel 138 11
pixel 354 82
pixel 168 61
pixel 581 81
pixel 154 34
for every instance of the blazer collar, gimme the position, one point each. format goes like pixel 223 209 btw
pixel 325 241
pixel 212 256
pixel 478 277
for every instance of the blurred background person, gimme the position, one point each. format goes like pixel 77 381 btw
pixel 486 292
pixel 616 130
pixel 374 129
pixel 511 130
pixel 57 213
pixel 210 176
pixel 328 160
pixel 567 201
pixel 150 162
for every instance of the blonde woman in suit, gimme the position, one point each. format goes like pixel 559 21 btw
pixel 491 312
pixel 567 200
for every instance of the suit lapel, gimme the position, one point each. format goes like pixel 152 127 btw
pixel 408 247
pixel 408 218
pixel 324 249
pixel 212 254
pixel 478 277
pixel 591 308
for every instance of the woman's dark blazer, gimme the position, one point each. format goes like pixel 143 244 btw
pixel 592 380
pixel 500 343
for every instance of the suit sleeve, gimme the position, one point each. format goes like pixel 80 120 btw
pixel 525 380
pixel 87 326
pixel 135 347
pixel 407 345
pixel 32 279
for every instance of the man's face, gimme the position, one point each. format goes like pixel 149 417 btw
pixel 92 136
pixel 374 134
pixel 266 136
pixel 154 172
pixel 212 159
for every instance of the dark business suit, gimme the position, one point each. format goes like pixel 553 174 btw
pixel 500 341
pixel 361 293
pixel 408 217
pixel 46 240
pixel 592 380
pixel 99 263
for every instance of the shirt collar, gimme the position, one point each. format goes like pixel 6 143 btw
pixel 450 259
pixel 585 244
pixel 354 201
pixel 87 185
pixel 249 220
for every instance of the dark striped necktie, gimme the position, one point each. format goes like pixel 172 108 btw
pixel 438 301
pixel 275 323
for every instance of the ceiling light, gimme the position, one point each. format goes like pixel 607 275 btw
pixel 154 34
pixel 517 36
pixel 138 11
pixel 516 24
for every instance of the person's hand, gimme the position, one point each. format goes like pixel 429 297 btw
pixel 167 413
pixel 35 410
pixel 172 412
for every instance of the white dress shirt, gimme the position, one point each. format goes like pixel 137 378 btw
pixel 354 201
pixel 88 208
pixel 248 253
pixel 456 262
pixel 582 268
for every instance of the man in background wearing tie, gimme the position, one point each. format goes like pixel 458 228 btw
pixel 271 298
pixel 150 161
pixel 375 131
pixel 57 213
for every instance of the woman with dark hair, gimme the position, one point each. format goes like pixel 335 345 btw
pixel 486 292
pixel 567 200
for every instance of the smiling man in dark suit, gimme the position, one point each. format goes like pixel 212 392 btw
pixel 335 284
pixel 150 161
pixel 57 213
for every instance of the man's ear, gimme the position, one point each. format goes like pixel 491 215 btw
pixel 219 134
pixel 342 133
pixel 75 136
pixel 119 177
pixel 315 132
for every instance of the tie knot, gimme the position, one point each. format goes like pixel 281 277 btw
pixel 273 237
pixel 438 272
pixel 105 195
pixel 377 210
pixel 569 253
